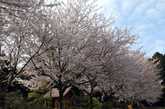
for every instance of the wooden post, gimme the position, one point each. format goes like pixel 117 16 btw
pixel 129 106
pixel 56 104
pixel 45 102
pixel 64 104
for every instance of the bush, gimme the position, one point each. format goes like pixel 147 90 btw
pixel 83 102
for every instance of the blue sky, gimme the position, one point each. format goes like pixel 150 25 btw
pixel 146 16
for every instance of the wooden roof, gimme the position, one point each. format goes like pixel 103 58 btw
pixel 55 92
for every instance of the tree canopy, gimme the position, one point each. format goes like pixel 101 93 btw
pixel 71 44
pixel 159 60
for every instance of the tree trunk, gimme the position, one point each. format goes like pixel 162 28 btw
pixel 90 102
pixel 60 94
pixel 90 97
pixel 61 99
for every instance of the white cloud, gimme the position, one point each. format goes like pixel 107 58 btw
pixel 162 33
pixel 153 13
pixel 141 8
pixel 111 7
pixel 160 6
pixel 127 6
pixel 161 21
pixel 144 26
pixel 108 6
pixel 144 40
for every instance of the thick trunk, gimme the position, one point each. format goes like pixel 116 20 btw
pixel 90 102
pixel 90 99
pixel 60 94
pixel 61 99
pixel 90 96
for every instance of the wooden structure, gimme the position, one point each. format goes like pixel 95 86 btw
pixel 68 95
pixel 66 100
pixel 129 106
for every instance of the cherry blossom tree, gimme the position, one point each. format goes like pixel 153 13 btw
pixel 140 82
pixel 22 8
pixel 23 34
pixel 83 44
pixel 106 59
pixel 74 45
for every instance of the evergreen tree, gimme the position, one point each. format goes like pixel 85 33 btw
pixel 159 59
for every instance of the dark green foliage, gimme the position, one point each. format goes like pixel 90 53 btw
pixel 96 103
pixel 13 99
pixel 82 102
pixel 160 60
pixel 158 57
pixel 4 73
pixel 4 84
pixel 18 104
pixel 26 77
pixel 16 95
pixel 161 66
pixel 37 96
pixel 11 92
pixel 114 104
pixel 17 99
